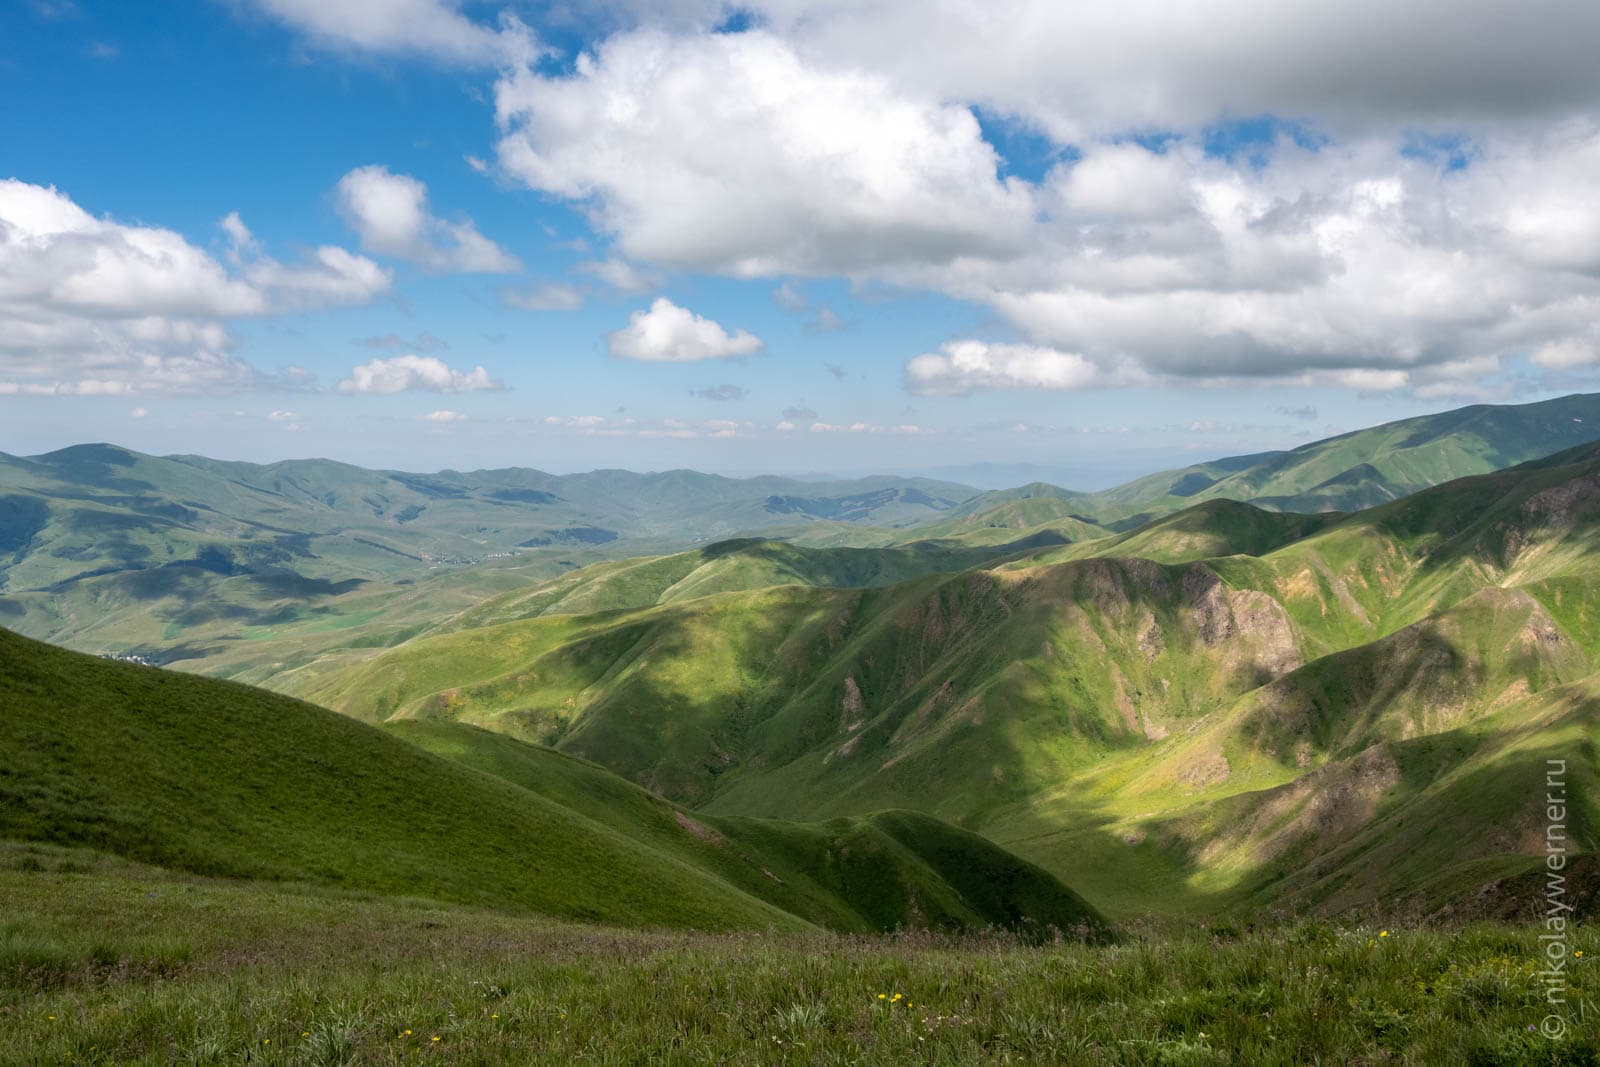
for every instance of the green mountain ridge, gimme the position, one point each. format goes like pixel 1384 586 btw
pixel 1355 470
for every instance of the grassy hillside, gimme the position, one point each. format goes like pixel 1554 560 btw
pixel 102 960
pixel 1002 513
pixel 737 566
pixel 1106 715
pixel 1364 468
pixel 217 778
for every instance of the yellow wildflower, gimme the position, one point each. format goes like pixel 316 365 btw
pixel 1384 933
pixel 435 1037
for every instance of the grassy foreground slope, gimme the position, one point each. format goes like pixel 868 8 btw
pixel 217 778
pixel 871 872
pixel 102 960
pixel 1173 728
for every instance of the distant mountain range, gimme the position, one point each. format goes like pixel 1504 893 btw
pixel 249 570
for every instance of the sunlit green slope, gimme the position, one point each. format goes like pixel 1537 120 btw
pixel 217 778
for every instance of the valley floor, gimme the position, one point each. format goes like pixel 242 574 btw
pixel 104 961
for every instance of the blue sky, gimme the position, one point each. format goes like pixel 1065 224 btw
pixel 776 242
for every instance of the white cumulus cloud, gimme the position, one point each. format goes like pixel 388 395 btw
pixel 390 213
pixel 91 305
pixel 961 367
pixel 667 333
pixel 728 152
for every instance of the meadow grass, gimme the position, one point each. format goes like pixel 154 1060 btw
pixel 103 961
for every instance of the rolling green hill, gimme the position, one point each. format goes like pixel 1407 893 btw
pixel 1000 514
pixel 1363 468
pixel 740 565
pixel 221 779
pixel 1210 722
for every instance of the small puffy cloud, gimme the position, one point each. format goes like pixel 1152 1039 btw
pixel 1304 414
pixel 549 296
pixel 721 393
pixel 442 416
pixel 285 419
pixel 435 29
pixel 961 367
pixel 332 276
pixel 667 333
pixel 800 414
pixel 390 213
pixel 138 413
pixel 839 373
pixel 429 374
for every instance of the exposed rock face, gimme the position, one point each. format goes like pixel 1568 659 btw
pixel 1561 505
pixel 1264 621
pixel 1151 641
pixel 1328 804
pixel 1248 619
pixel 850 707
